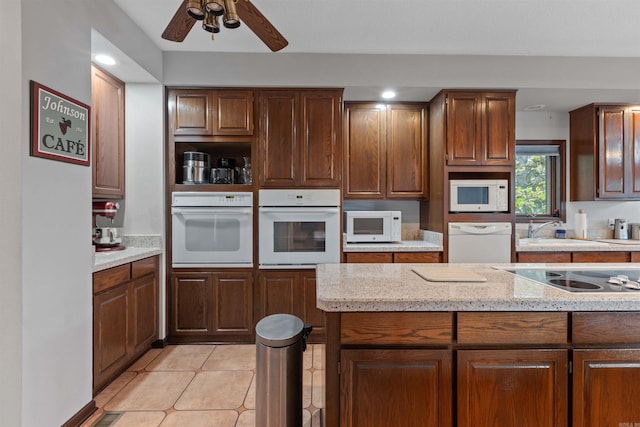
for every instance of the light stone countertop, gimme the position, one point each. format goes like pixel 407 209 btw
pixel 404 246
pixel 559 245
pixel 395 287
pixel 137 248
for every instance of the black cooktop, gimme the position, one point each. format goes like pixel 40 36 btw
pixel 584 280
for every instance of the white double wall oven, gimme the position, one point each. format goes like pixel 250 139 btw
pixel 296 228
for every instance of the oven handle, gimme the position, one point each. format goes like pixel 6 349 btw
pixel 226 211
pixel 305 210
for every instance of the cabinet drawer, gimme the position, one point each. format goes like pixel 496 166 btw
pixel 397 328
pixel 512 328
pixel 111 277
pixel 544 256
pixel 601 257
pixel 416 257
pixel 369 257
pixel 605 328
pixel 144 266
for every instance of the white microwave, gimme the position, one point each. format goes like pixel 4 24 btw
pixel 478 195
pixel 372 226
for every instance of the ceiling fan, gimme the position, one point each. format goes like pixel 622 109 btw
pixel 209 10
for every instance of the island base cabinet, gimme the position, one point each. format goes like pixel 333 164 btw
pixel 382 388
pixel 506 388
pixel 606 386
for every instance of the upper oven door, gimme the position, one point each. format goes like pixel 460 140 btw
pixel 212 237
pixel 299 236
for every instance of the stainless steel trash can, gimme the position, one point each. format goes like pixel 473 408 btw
pixel 280 342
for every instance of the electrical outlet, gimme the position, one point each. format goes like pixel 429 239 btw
pixel 612 223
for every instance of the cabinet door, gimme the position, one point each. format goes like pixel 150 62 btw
pixel 524 388
pixel 499 129
pixel 406 151
pixel 364 152
pixel 190 311
pixel 111 331
pixel 107 135
pixel 278 132
pixel 311 313
pixel 144 312
pixel 232 112
pixel 409 388
pixel 279 293
pixel 606 386
pixel 464 130
pixel 634 152
pixel 192 112
pixel 233 312
pixel 320 138
pixel 611 152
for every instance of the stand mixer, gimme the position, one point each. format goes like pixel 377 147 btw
pixel 106 238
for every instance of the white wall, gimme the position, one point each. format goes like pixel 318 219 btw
pixel 56 244
pixel 144 139
pixel 11 215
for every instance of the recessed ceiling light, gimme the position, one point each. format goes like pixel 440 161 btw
pixel 105 59
pixel 535 107
pixel 388 94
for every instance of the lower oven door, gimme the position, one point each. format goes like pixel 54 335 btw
pixel 212 237
pixel 298 237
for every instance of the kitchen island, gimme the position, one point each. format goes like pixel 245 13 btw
pixel 507 351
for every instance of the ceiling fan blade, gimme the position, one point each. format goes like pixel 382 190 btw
pixel 180 25
pixel 260 25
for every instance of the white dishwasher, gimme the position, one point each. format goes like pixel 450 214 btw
pixel 480 242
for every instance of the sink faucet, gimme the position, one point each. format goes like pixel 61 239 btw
pixel 532 233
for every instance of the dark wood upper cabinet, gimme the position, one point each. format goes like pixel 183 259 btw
pixel 385 151
pixel 480 128
pixel 300 138
pixel 107 135
pixel 210 112
pixel 605 152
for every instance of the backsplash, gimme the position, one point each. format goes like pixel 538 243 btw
pixel 143 241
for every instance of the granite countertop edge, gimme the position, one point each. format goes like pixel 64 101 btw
pixel 594 246
pixel 404 246
pixel 106 260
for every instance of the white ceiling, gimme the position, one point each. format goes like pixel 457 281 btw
pixel 538 28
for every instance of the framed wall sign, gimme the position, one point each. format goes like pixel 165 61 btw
pixel 59 126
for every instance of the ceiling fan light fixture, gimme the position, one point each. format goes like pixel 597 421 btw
pixel 195 9
pixel 211 24
pixel 215 7
pixel 230 18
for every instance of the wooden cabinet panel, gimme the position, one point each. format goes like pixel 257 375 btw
pixel 411 257
pixel 191 304
pixel 107 135
pixel 544 256
pixel 525 388
pixel 464 127
pixel 611 151
pixel 606 384
pixel 279 293
pixel 499 129
pixel 382 388
pixel 144 266
pixel 601 257
pixel 635 256
pixel 634 152
pixel 192 112
pixel 278 148
pixel 233 112
pixel 111 330
pixel 105 279
pixel 320 139
pixel 233 296
pixel 395 328
pixel 512 328
pixel 406 151
pixel 605 328
pixel 365 151
pixel 311 313
pixel 144 307
pixel 369 257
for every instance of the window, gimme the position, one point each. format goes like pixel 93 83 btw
pixel 540 179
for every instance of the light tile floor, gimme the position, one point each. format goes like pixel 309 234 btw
pixel 201 385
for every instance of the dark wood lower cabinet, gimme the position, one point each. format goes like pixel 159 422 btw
pixel 211 306
pixel 409 388
pixel 291 292
pixel 524 388
pixel 125 317
pixel 606 386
